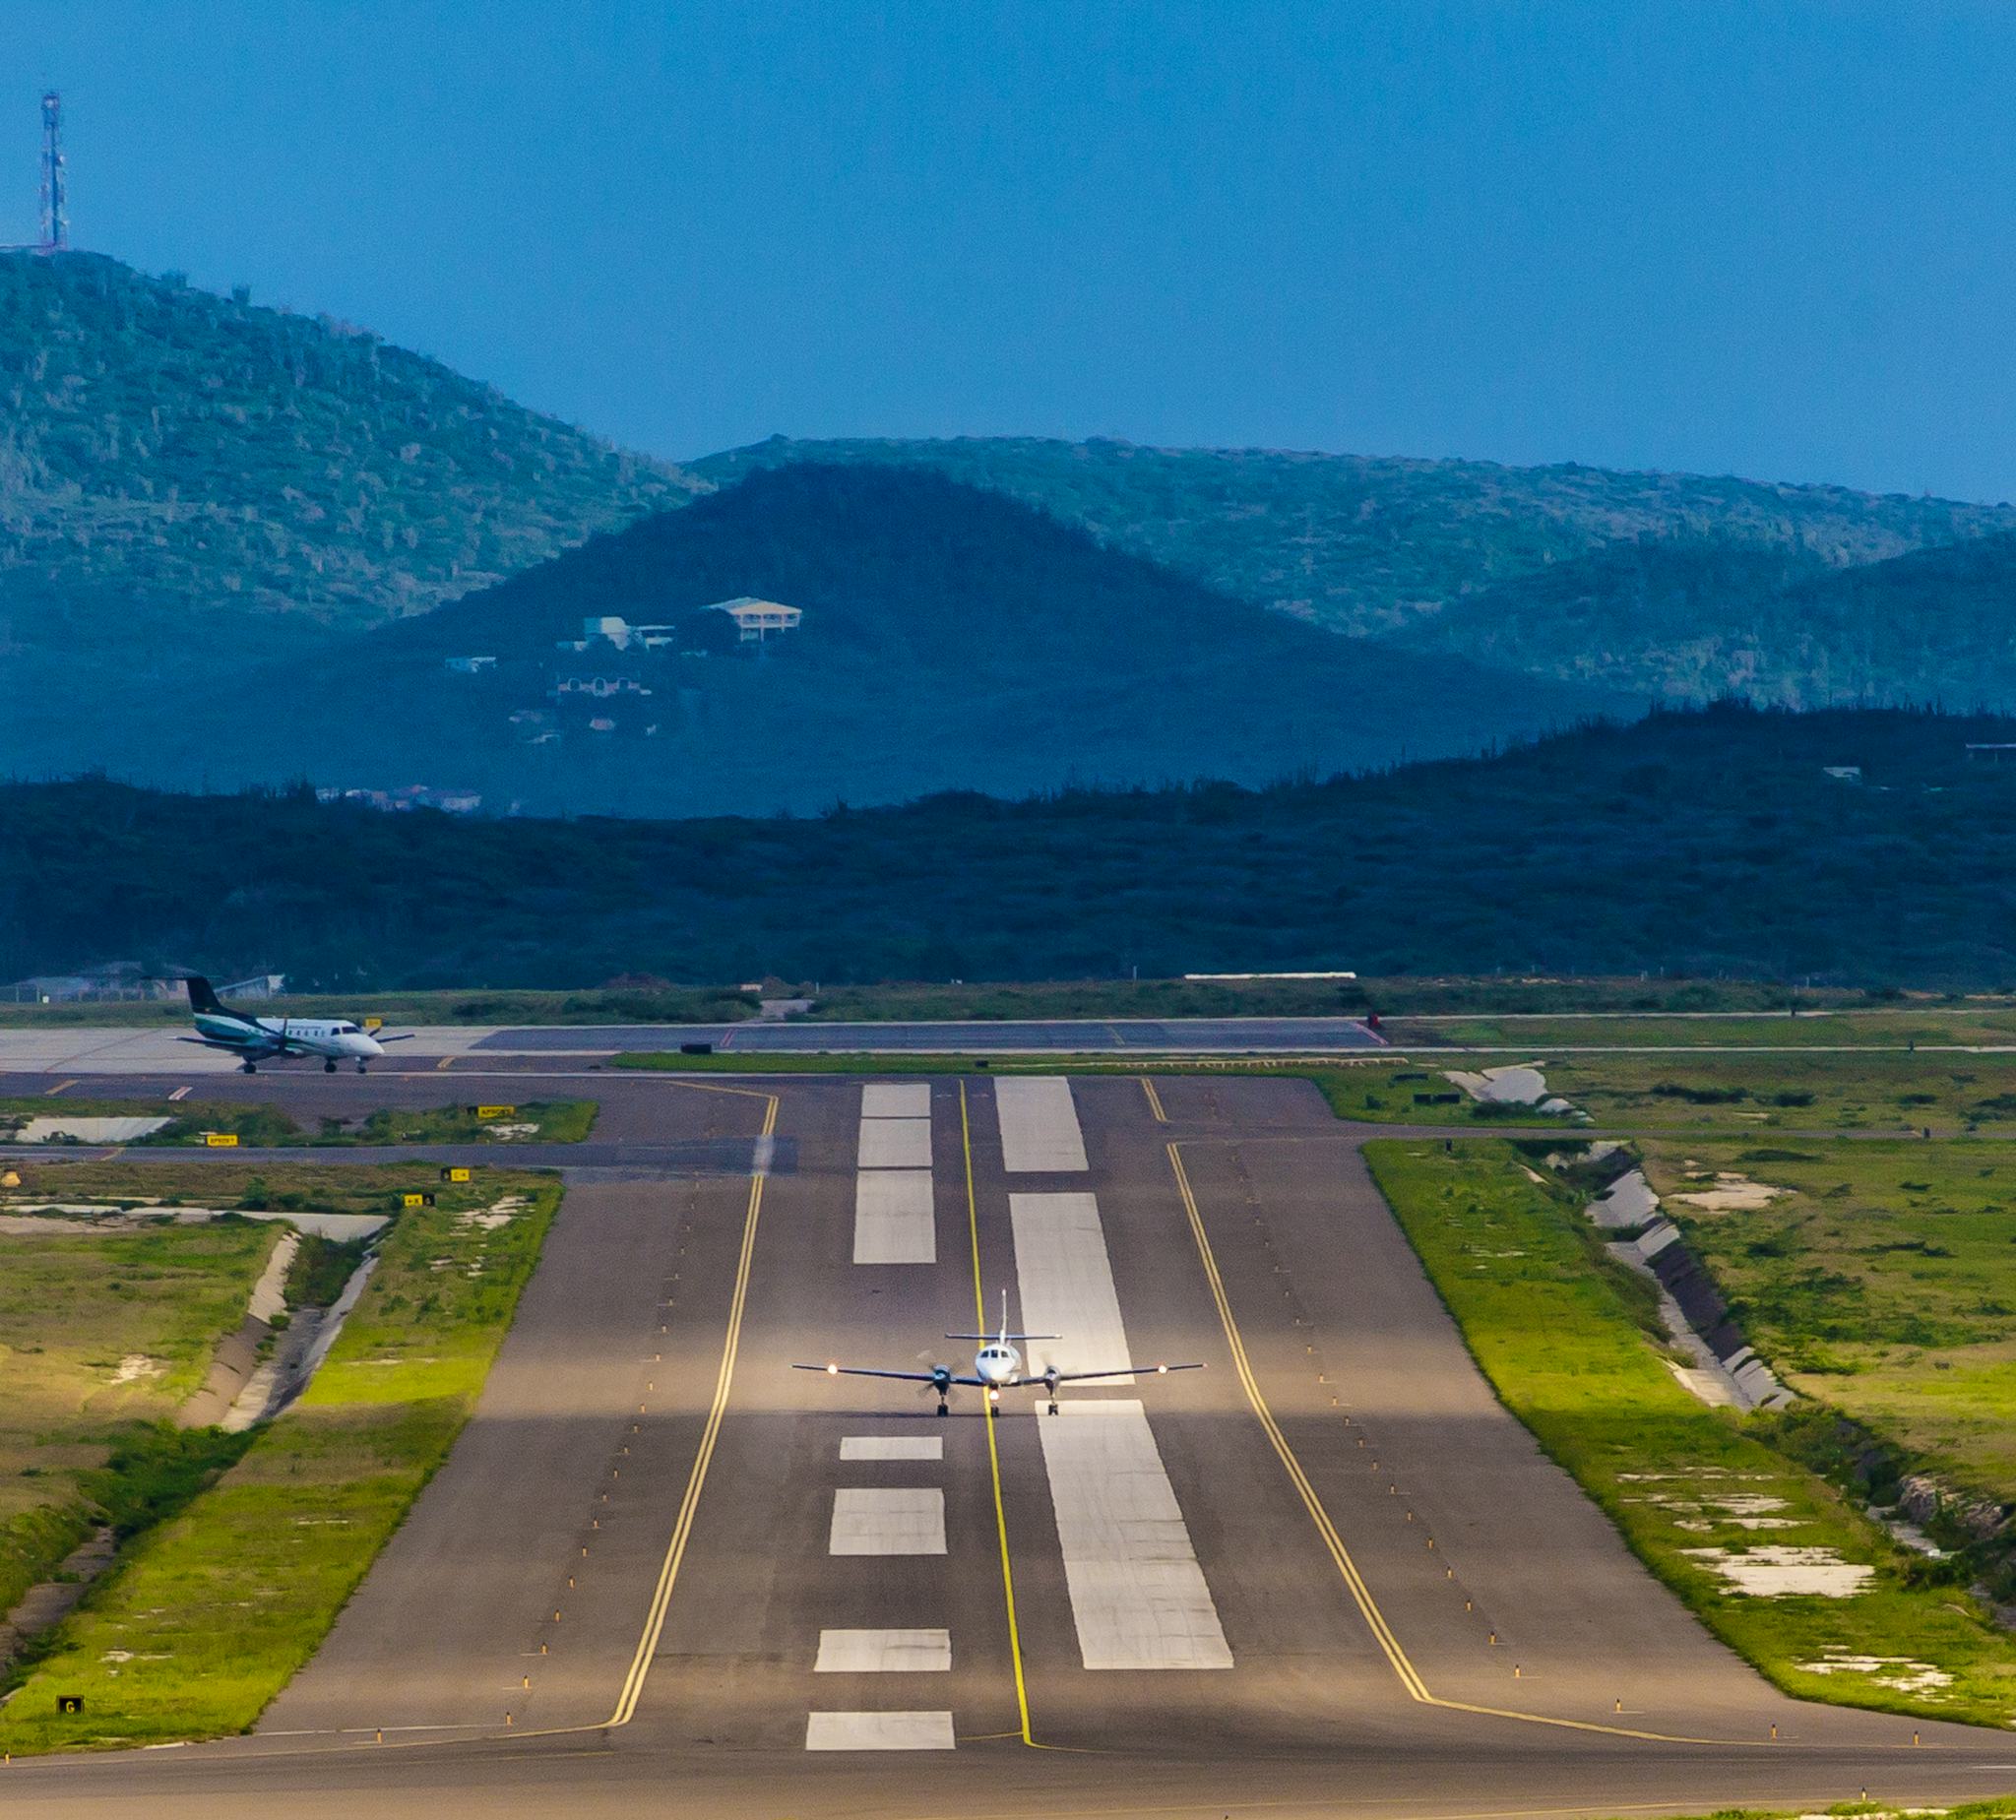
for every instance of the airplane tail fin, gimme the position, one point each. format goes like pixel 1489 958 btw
pixel 202 994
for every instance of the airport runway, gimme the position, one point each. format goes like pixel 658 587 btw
pixel 1211 1593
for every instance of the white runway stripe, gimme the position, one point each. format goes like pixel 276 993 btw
pixel 1067 1284
pixel 1138 1596
pixel 897 1099
pixel 894 1219
pixel 878 1732
pixel 1038 1125
pixel 884 1651
pixel 896 1144
pixel 892 1447
pixel 905 1520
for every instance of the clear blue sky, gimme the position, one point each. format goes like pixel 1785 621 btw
pixel 1753 238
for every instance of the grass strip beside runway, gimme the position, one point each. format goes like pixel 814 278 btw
pixel 106 1335
pixel 260 1126
pixel 1565 1337
pixel 216 1609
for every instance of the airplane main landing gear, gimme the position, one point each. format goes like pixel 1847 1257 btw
pixel 328 1067
pixel 249 1068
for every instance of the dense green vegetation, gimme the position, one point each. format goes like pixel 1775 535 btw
pixel 191 451
pixel 1369 544
pixel 1879 1279
pixel 1567 1338
pixel 107 1334
pixel 1692 621
pixel 952 638
pixel 194 484
pixel 1699 843
pixel 217 1608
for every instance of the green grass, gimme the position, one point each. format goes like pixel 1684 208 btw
pixel 106 1335
pixel 217 1609
pixel 1882 1281
pixel 1856 1026
pixel 266 1187
pixel 259 1126
pixel 1562 1336
pixel 1847 1092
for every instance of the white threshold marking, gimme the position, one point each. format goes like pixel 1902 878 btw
pixel 1066 1283
pixel 884 1651
pixel 892 1447
pixel 878 1732
pixel 905 1519
pixel 897 1099
pixel 895 1217
pixel 1138 1597
pixel 896 1144
pixel 1038 1125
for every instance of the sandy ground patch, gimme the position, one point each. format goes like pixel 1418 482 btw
pixel 1778 1570
pixel 1730 1193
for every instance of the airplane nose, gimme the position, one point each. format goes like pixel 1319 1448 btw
pixel 372 1047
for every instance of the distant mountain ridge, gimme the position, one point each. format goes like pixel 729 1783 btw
pixel 953 639
pixel 1373 545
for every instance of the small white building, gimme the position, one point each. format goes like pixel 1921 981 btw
pixel 757 620
pixel 614 629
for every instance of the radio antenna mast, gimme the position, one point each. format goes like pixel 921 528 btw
pixel 55 215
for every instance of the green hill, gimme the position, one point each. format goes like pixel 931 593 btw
pixel 1692 621
pixel 1368 544
pixel 952 638
pixel 177 464
pixel 1706 843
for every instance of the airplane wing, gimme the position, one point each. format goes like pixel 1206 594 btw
pixel 869 1372
pixel 1119 1371
pixel 211 1043
pixel 380 1036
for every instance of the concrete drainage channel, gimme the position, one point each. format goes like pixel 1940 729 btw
pixel 265 1365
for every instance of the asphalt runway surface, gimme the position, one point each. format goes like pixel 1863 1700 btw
pixel 645 1466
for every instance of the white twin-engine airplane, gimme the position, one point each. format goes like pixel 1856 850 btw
pixel 260 1039
pixel 997 1366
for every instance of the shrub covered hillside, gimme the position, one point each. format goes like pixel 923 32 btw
pixel 1369 544
pixel 1716 842
pixel 165 451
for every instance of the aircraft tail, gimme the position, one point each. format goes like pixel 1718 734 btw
pixel 203 996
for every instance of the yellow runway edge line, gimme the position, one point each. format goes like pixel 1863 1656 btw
pixel 1376 1620
pixel 675 1552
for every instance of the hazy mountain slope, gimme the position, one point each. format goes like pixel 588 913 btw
pixel 952 638
pixel 1371 544
pixel 1692 621
pixel 1704 841
pixel 166 453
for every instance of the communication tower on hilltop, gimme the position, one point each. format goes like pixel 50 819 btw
pixel 55 218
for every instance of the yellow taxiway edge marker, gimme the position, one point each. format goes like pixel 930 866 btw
pixel 979 1303
pixel 441 1067
pixel 682 1529
pixel 61 1086
pixel 1362 1593
pixel 1154 1101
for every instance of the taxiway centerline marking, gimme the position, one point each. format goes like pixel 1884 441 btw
pixel 1362 1595
pixel 682 1529
pixel 1154 1101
